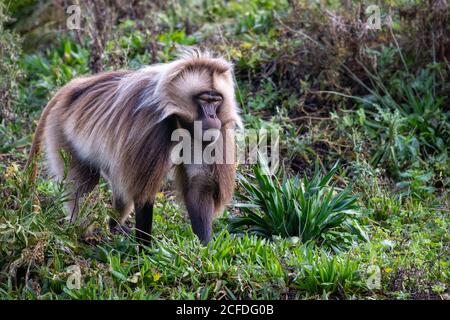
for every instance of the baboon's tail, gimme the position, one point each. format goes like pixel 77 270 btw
pixel 37 142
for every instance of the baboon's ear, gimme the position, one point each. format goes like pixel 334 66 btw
pixel 176 70
pixel 185 58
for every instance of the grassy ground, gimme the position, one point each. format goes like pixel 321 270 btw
pixel 337 91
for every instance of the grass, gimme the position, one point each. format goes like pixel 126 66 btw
pixel 313 231
pixel 176 265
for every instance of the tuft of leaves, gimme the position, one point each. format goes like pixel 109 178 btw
pixel 312 209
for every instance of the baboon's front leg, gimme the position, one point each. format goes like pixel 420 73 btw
pixel 144 219
pixel 200 206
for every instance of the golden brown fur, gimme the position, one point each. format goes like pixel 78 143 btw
pixel 119 125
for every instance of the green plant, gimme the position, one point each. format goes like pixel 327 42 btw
pixel 52 69
pixel 10 51
pixel 310 209
pixel 263 101
pixel 405 113
pixel 416 182
pixel 383 206
pixel 323 274
pixel 172 39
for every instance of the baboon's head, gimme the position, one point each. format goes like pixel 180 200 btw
pixel 200 87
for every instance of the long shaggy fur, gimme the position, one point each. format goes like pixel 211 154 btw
pixel 119 124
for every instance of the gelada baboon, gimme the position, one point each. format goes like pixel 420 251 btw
pixel 119 124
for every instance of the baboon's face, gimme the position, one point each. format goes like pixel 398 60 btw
pixel 208 103
pixel 205 96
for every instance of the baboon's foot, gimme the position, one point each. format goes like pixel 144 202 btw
pixel 88 234
pixel 117 228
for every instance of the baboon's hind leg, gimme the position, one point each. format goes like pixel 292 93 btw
pixel 82 179
pixel 81 176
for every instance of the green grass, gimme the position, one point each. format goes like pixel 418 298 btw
pixel 176 265
pixel 409 247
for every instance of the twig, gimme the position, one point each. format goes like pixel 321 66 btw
pixel 298 32
pixel 309 117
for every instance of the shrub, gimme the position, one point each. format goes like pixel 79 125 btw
pixel 403 120
pixel 310 209
pixel 9 71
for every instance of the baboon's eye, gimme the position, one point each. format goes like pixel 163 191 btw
pixel 210 97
